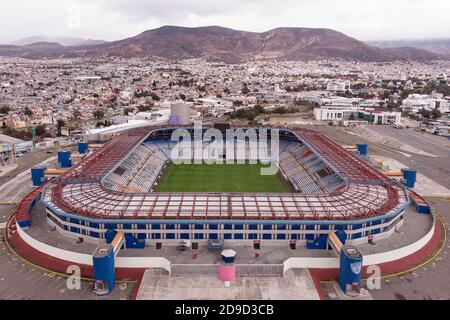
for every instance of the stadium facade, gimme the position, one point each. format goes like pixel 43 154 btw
pixel 113 189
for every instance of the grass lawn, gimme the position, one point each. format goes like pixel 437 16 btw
pixel 219 178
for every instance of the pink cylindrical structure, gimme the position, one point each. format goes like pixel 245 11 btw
pixel 227 272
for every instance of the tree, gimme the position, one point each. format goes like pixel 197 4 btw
pixel 405 94
pixel 201 88
pixel 28 112
pixel 99 114
pixel 425 113
pixel 126 111
pixel 40 130
pixel 182 96
pixel 435 113
pixel 59 124
pixel 145 108
pixel 5 110
pixel 155 96
pixel 76 114
pixel 245 89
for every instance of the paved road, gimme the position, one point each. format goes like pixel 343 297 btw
pixel 19 280
pixel 421 140
pixel 29 160
pixel 437 169
pixel 431 281
pixel 14 189
pixel 8 139
pixel 22 281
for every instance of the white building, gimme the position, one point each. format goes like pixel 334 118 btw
pixel 416 102
pixel 340 102
pixel 87 78
pixel 216 106
pixel 215 102
pixel 339 86
pixel 334 113
pixel 364 114
pixel 315 95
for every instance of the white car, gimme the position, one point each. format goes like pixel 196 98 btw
pixel 19 155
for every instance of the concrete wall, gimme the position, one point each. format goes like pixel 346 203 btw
pixel 371 259
pixel 86 259
pixel 291 263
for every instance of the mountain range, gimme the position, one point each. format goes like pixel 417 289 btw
pixel 439 46
pixel 64 41
pixel 223 44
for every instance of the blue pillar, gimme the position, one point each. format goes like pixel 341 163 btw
pixel 64 159
pixel 363 149
pixel 410 175
pixel 103 265
pixel 38 176
pixel 109 235
pixel 83 147
pixel 350 267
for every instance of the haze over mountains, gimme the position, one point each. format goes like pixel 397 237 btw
pixel 439 46
pixel 222 44
pixel 64 41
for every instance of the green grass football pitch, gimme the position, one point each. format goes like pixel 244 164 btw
pixel 219 178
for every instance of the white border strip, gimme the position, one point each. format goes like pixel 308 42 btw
pixel 371 259
pixel 86 259
pixel 291 263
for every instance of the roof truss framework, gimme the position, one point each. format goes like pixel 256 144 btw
pixel 367 193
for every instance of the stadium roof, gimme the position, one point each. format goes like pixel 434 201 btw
pixel 367 193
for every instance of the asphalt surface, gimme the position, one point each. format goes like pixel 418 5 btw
pixel 430 282
pixel 435 168
pixel 8 139
pixel 20 280
pixel 16 184
pixel 29 160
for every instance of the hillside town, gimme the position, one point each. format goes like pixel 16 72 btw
pixel 50 99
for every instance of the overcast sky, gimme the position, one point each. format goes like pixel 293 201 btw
pixel 117 19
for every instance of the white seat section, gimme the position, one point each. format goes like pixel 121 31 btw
pixel 138 172
pixel 307 173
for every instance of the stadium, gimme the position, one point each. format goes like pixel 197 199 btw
pixel 130 185
pixel 148 199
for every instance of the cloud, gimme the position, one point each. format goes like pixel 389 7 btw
pixel 115 19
